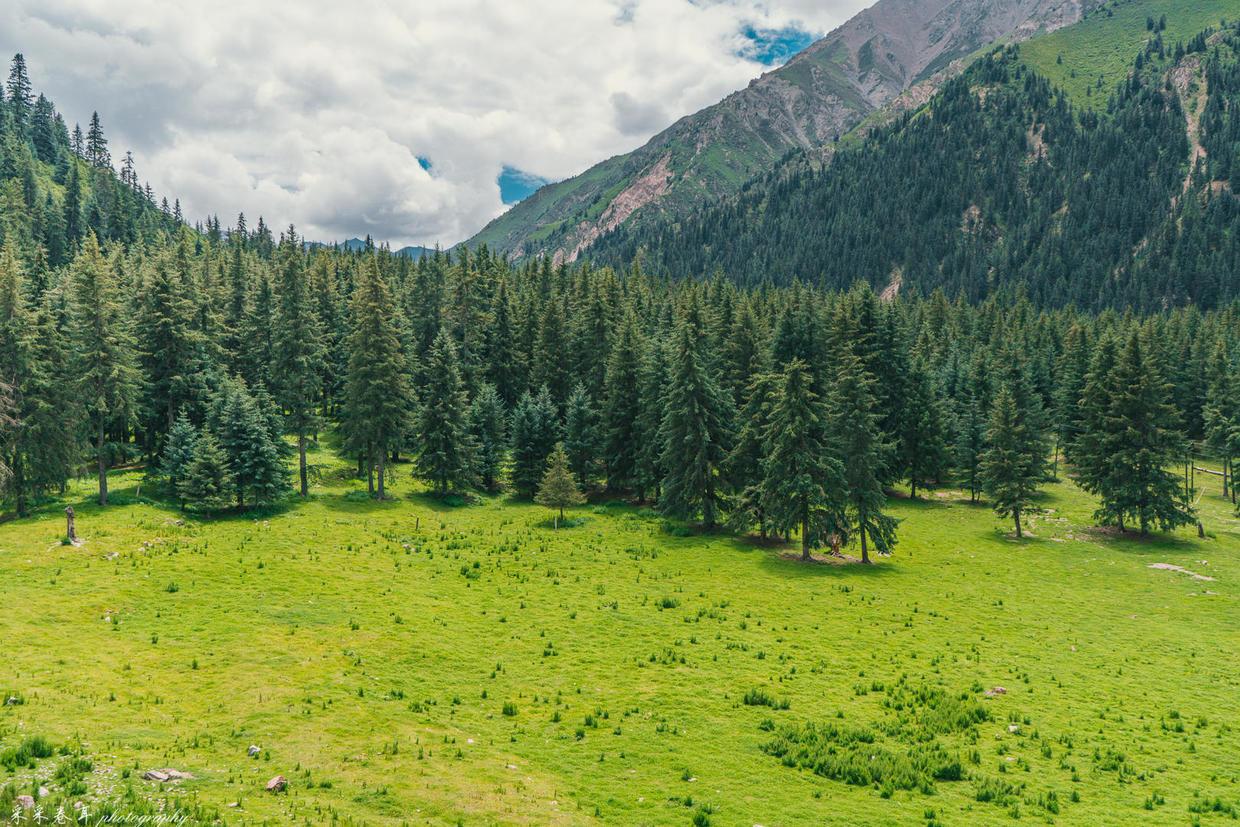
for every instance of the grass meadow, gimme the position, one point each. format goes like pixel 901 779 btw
pixel 409 662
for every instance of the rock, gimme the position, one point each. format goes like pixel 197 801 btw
pixel 26 802
pixel 166 774
pixel 12 700
pixel 996 690
pixel 44 792
pixel 277 784
pixel 253 751
pixel 1013 727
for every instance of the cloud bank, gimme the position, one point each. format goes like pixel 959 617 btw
pixel 389 118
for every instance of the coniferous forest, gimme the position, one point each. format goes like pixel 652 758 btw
pixel 897 488
pixel 131 337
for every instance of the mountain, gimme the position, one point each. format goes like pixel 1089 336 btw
pixel 1003 179
pixel 354 245
pixel 891 55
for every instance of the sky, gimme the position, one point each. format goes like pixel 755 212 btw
pixel 414 122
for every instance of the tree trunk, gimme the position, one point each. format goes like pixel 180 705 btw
pixel 382 471
pixel 865 551
pixel 301 452
pixel 103 464
pixel 1016 517
pixel 19 483
pixel 805 533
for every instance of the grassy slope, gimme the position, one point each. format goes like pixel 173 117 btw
pixel 1106 45
pixel 1092 645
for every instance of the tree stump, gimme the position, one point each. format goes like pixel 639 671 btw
pixel 70 532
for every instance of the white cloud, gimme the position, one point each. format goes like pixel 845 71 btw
pixel 315 112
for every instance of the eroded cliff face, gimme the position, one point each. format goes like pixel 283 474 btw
pixel 887 59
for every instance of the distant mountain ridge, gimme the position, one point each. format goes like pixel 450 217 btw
pixel 355 244
pixel 895 54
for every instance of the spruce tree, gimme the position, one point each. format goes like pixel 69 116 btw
pixel 803 480
pixel 297 350
pixel 242 424
pixel 862 452
pixel 207 483
pixel 581 435
pixel 378 397
pixel 923 446
pixel 1144 439
pixel 695 432
pixel 179 453
pixel 744 468
pixel 105 369
pixel 1012 467
pixel 488 427
pixel 558 487
pixel 446 454
pixel 170 350
pixel 624 400
pixel 535 430
pixel 37 435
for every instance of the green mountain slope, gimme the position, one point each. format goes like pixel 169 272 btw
pixel 999 180
pixel 891 55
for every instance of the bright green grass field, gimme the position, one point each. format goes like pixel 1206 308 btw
pixel 370 650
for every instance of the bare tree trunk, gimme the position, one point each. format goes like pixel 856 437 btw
pixel 1016 517
pixel 865 551
pixel 382 472
pixel 301 451
pixel 103 464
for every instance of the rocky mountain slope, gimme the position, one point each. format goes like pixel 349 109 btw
pixel 894 54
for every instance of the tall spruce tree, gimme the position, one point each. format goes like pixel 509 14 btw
pixel 178 453
pixel 207 483
pixel 923 445
pixel 623 395
pixel 1141 425
pixel 862 452
pixel 1012 467
pixel 488 426
pixel 242 424
pixel 105 365
pixel 535 430
pixel 378 397
pixel 446 454
pixel 297 350
pixel 581 435
pixel 696 429
pixel 803 479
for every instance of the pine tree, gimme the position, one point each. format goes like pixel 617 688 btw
pixel 171 351
pixel 179 453
pixel 1012 467
pixel 97 154
pixel 581 435
pixel 558 488
pixel 862 453
pixel 20 96
pixel 1091 447
pixel 378 397
pixel 105 370
pixel 1221 414
pixel 207 483
pixel 487 426
pixel 744 468
pixel 37 429
pixel 922 446
pixel 623 406
pixel 1142 425
pixel 803 479
pixel 652 384
pixel 535 430
pixel 695 431
pixel 446 455
pixel 297 350
pixel 243 424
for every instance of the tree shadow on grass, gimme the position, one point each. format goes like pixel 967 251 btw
pixel 788 563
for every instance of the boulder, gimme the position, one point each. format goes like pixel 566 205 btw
pixel 26 802
pixel 277 784
pixel 995 690
pixel 155 775
pixel 253 751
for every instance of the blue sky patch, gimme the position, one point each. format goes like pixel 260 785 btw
pixel 516 184
pixel 424 162
pixel 774 47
